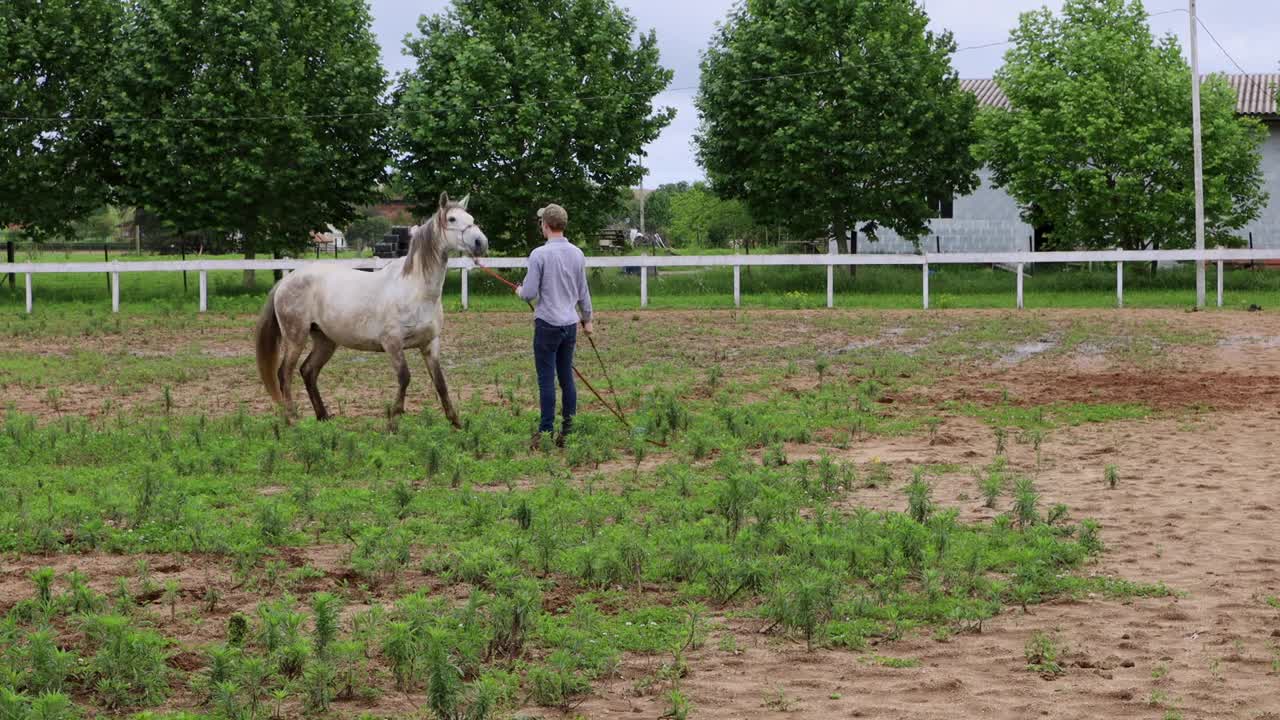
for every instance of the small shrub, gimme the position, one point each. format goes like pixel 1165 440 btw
pixel 1026 502
pixel 805 604
pixel 129 667
pixel 43 579
pixel 325 606
pixel 919 498
pixel 317 687
pixel 237 629
pixel 401 650
pixel 556 683
pixel 1042 653
pixel 1089 538
pixel 992 487
pixel 677 706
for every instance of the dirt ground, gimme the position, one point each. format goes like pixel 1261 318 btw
pixel 1196 508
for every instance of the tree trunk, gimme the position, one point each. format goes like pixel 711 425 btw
pixel 250 253
pixel 1155 245
pixel 840 230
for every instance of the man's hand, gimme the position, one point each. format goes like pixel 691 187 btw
pixel 519 288
pixel 587 328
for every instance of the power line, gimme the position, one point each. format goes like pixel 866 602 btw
pixel 1224 50
pixel 391 111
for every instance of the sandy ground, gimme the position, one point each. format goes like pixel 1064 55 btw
pixel 1196 508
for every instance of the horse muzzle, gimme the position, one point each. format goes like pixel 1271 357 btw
pixel 477 244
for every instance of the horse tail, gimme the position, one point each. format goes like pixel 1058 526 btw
pixel 266 338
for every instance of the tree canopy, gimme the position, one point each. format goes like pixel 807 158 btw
pixel 263 119
pixel 527 102
pixel 847 110
pixel 699 217
pixel 56 57
pixel 1097 141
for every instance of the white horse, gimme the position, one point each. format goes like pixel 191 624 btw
pixel 394 309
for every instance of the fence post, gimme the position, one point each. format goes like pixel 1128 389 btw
pixel 925 266
pixel 28 293
pixel 1019 286
pixel 115 291
pixel 13 277
pixel 1119 283
pixel 737 285
pixel 107 258
pixel 644 285
pixel 204 290
pixel 465 299
pixel 831 285
pixel 1219 283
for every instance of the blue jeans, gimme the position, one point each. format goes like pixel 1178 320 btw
pixel 553 357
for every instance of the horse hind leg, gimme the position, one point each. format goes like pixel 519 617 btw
pixel 322 349
pixel 294 343
pixel 431 354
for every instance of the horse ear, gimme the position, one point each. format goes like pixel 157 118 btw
pixel 444 200
pixel 463 202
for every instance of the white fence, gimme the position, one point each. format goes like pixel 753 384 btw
pixel 831 261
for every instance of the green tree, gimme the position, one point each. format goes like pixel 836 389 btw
pixel 265 119
pixel 54 165
pixel 863 119
pixel 526 102
pixel 657 207
pixel 1097 142
pixel 102 225
pixel 699 216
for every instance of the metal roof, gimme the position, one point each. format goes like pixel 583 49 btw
pixel 1255 93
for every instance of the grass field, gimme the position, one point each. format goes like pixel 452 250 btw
pixel 897 514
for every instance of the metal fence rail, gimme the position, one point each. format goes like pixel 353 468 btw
pixel 1019 260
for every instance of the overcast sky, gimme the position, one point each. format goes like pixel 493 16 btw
pixel 1247 29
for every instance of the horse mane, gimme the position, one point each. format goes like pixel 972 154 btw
pixel 426 246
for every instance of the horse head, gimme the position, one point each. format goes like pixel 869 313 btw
pixel 459 229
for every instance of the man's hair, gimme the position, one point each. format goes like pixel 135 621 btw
pixel 554 216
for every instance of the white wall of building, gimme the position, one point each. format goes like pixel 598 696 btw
pixel 988 220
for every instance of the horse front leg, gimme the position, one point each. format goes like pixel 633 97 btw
pixel 395 351
pixel 431 354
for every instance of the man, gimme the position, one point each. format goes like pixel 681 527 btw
pixel 557 278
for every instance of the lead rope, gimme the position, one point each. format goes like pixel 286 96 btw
pixel 617 411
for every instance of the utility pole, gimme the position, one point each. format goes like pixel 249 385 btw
pixel 642 199
pixel 1199 159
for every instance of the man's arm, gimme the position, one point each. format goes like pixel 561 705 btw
pixel 528 290
pixel 584 298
